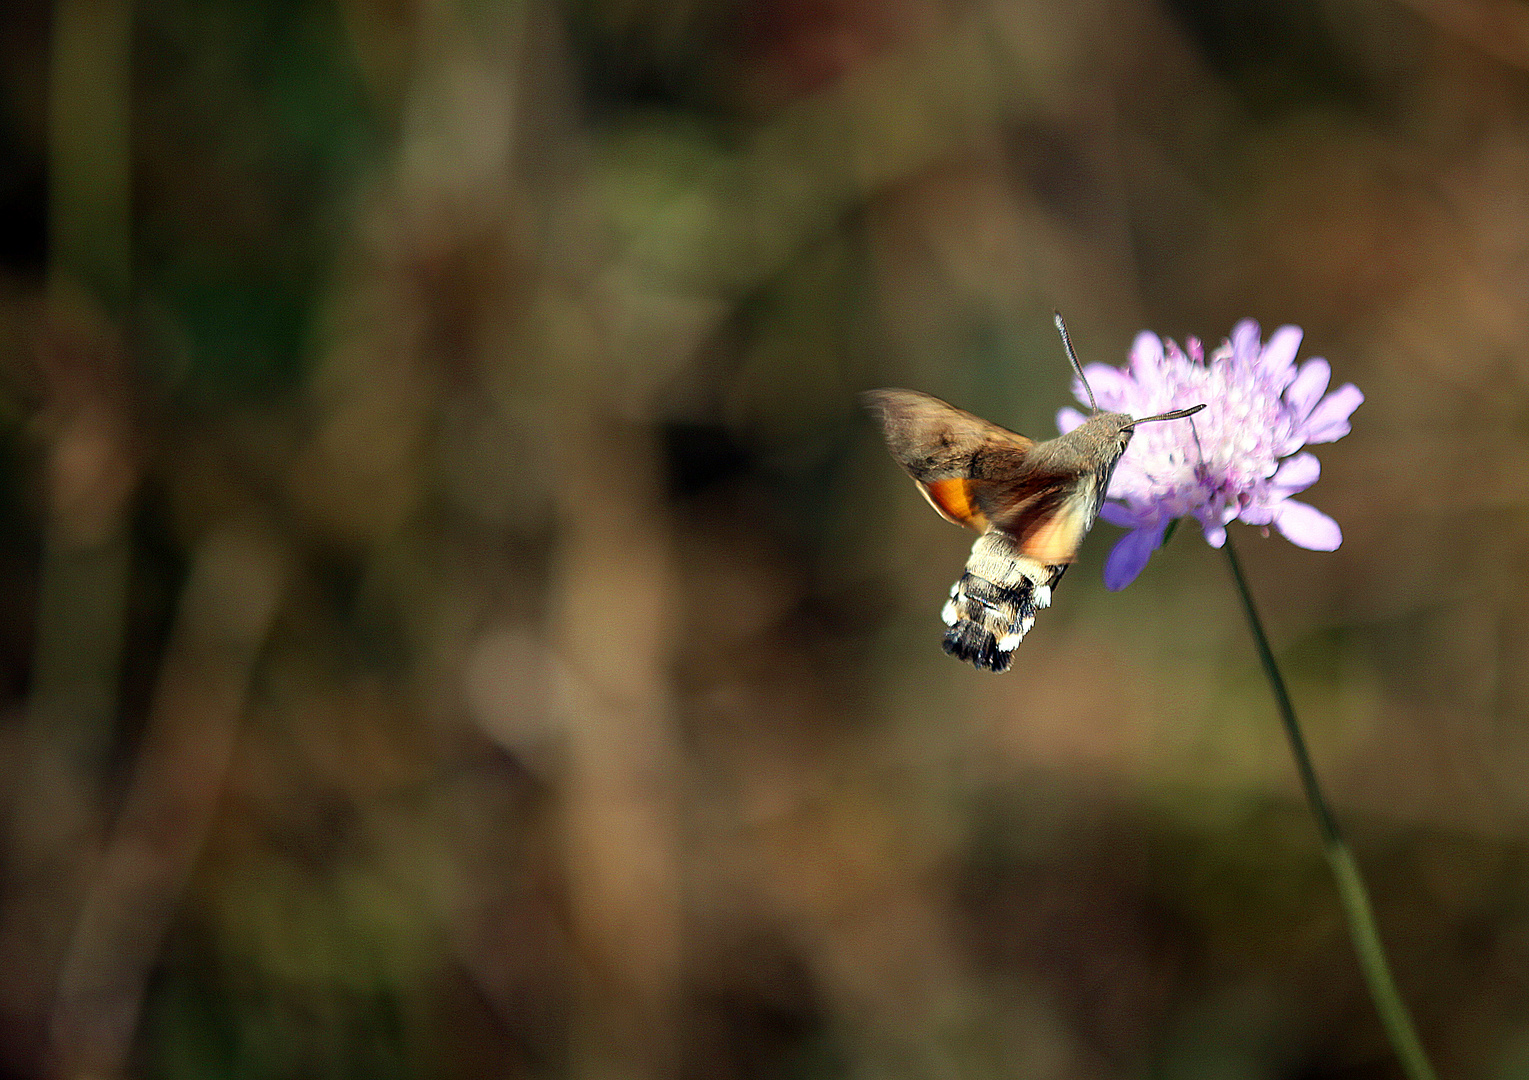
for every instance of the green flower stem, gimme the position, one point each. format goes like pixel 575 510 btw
pixel 1352 894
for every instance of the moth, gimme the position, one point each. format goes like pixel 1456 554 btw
pixel 1032 502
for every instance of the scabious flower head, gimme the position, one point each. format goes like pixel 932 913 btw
pixel 1236 460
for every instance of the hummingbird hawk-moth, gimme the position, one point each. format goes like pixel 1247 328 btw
pixel 1032 502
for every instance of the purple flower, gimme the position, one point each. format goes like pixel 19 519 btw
pixel 1233 460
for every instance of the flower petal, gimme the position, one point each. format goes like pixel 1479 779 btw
pixel 1211 524
pixel 1124 483
pixel 1329 420
pixel 1244 342
pixel 1130 555
pixel 1146 355
pixel 1308 387
pixel 1112 387
pixel 1068 418
pixel 1306 526
pixel 1297 473
pixel 1279 354
pixel 1121 514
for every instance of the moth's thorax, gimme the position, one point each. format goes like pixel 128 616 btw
pixel 1095 444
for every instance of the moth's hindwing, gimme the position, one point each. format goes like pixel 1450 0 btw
pixel 1050 527
pixel 956 500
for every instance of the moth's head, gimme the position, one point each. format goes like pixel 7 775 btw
pixel 1112 430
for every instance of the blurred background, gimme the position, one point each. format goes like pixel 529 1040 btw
pixel 458 623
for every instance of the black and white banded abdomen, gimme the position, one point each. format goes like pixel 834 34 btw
pixel 993 606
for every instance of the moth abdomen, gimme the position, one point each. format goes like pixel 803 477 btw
pixel 993 605
pixel 976 645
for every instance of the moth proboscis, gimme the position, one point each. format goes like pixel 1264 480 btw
pixel 1033 502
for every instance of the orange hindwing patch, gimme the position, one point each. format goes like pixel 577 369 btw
pixel 953 499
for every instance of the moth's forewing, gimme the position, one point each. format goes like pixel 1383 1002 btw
pixel 934 440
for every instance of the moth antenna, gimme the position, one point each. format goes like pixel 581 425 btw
pixel 1072 356
pixel 1176 414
